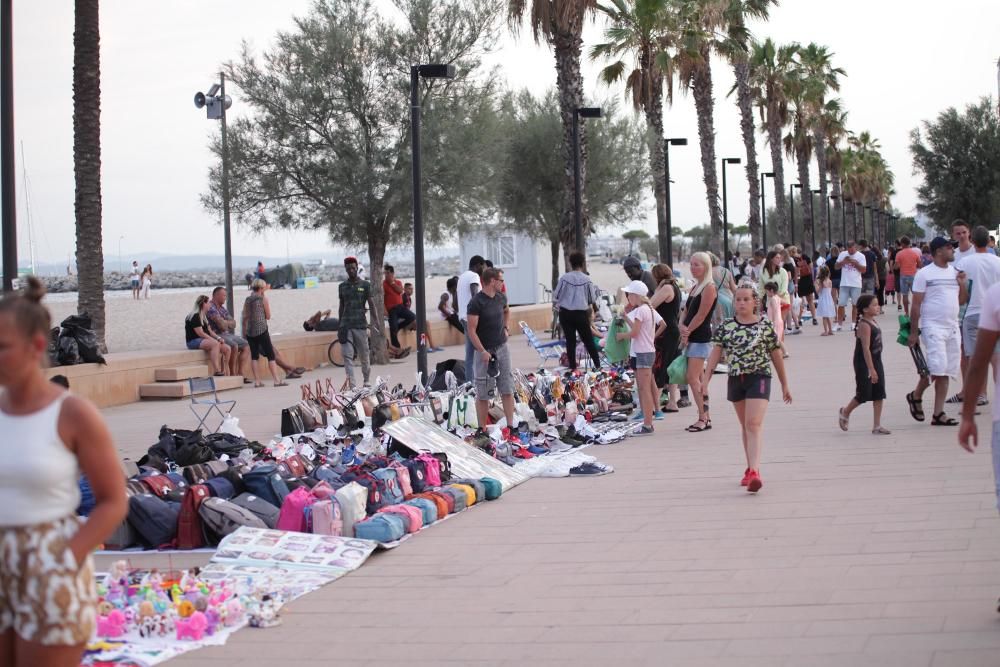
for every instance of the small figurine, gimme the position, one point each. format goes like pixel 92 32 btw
pixel 111 625
pixel 119 572
pixel 193 627
pixel 264 613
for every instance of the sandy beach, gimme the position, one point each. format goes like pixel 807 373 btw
pixel 158 324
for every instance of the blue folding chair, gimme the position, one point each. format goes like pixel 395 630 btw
pixel 203 386
pixel 550 350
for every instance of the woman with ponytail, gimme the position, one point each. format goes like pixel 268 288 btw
pixel 47 596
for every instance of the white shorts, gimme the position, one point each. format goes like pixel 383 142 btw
pixel 943 349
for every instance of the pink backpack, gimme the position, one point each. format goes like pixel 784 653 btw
pixel 322 491
pixel 403 475
pixel 432 468
pixel 293 511
pixel 414 517
pixel 326 518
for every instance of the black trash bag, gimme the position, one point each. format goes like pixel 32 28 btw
pixel 227 443
pixel 80 328
pixel 181 446
pixel 54 347
pixel 456 366
pixel 69 351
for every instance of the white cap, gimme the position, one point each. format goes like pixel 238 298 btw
pixel 636 287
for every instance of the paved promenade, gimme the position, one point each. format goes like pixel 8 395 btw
pixel 859 550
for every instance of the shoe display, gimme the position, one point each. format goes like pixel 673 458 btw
pixel 594 469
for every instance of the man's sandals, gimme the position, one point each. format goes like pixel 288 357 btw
pixel 916 407
pixel 941 419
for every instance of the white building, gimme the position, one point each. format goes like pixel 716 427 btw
pixel 526 261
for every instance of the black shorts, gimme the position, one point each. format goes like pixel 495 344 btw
pixel 742 387
pixel 261 346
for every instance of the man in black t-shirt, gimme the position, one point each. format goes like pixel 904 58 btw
pixel 487 331
pixel 869 279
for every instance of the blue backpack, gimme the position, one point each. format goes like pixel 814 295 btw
pixel 493 488
pixel 265 482
pixel 383 527
pixel 428 508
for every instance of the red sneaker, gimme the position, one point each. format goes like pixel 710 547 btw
pixel 746 477
pixel 754 482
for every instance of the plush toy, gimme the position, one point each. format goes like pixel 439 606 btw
pixel 185 608
pixel 111 625
pixel 234 611
pixel 214 618
pixel 192 628
pixel 201 603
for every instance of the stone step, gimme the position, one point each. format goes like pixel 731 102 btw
pixel 181 373
pixel 181 389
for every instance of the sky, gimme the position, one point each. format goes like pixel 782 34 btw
pixel 905 62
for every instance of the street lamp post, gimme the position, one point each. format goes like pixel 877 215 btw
pixel 7 191
pixel 763 210
pixel 812 217
pixel 216 102
pixel 859 207
pixel 581 112
pixel 843 218
pixel 725 210
pixel 416 72
pixel 791 211
pixel 669 246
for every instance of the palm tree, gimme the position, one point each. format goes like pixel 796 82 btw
pixel 696 26
pixel 736 48
pixel 770 72
pixel 799 140
pixel 560 22
pixel 834 123
pixel 636 30
pixel 87 162
pixel 867 177
pixel 819 78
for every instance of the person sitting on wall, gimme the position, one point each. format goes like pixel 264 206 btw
pixel 408 304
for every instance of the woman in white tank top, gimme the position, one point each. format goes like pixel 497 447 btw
pixel 49 437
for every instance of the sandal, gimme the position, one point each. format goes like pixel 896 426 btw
pixel 695 428
pixel 881 430
pixel 299 370
pixel 941 419
pixel 916 407
pixel 281 384
pixel 843 420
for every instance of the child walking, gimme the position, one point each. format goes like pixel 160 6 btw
pixel 869 376
pixel 643 325
pixel 825 307
pixel 751 346
pixel 775 315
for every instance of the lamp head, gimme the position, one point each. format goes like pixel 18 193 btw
pixel 732 160
pixel 769 174
pixel 437 71
pixel 589 112
pixel 678 142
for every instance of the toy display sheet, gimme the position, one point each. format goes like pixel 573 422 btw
pixel 466 461
pixel 286 564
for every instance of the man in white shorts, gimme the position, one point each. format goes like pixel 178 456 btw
pixel 938 290
pixel 982 270
pixel 851 263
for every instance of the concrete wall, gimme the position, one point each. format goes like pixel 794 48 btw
pixel 117 382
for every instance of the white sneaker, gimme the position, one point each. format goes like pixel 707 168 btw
pixel 854 327
pixel 837 327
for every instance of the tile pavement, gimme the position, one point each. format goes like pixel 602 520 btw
pixel 859 550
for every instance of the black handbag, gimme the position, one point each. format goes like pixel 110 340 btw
pixel 291 421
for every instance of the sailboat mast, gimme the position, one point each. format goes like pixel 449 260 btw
pixel 27 212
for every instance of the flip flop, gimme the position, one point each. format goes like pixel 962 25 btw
pixel 843 419
pixel 916 407
pixel 299 370
pixel 881 430
pixel 280 384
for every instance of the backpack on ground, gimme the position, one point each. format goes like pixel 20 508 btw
pixel 440 505
pixel 326 517
pixel 477 486
pixel 426 507
pixel 493 488
pixel 154 519
pixel 190 534
pixel 220 487
pixel 265 482
pixel 353 501
pixel 259 507
pixel 293 511
pixel 432 469
pixel 461 499
pixel 384 527
pixel 418 475
pixel 413 516
pixel 391 490
pixel 221 517
pixel 403 476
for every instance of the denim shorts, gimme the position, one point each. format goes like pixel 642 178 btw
pixel 905 284
pixel 848 294
pixel 644 359
pixel 194 344
pixel 698 350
